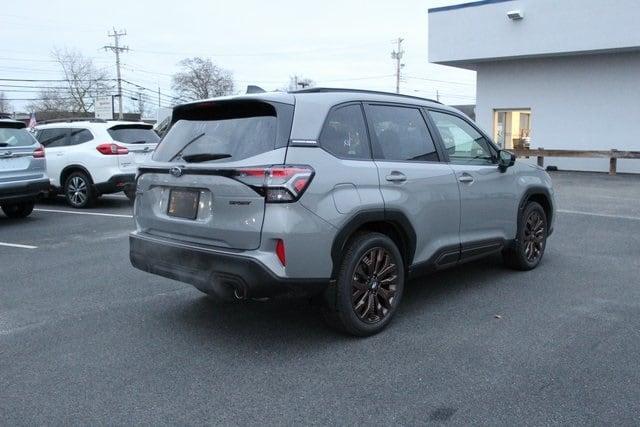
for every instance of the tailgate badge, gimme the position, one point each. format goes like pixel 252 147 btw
pixel 175 171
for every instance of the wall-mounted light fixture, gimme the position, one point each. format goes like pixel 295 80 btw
pixel 515 15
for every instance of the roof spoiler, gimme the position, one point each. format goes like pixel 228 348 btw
pixel 255 89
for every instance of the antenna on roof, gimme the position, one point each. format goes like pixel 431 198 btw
pixel 255 89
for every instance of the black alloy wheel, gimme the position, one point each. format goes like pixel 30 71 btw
pixel 374 285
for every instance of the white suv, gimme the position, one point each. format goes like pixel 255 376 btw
pixel 88 158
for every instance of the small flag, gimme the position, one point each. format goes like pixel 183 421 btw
pixel 32 121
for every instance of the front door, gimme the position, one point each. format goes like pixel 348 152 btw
pixel 415 182
pixel 488 196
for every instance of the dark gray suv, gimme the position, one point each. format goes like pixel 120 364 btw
pixel 22 169
pixel 339 193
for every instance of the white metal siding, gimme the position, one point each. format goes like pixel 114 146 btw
pixel 578 102
pixel 464 36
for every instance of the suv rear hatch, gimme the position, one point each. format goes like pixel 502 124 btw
pixel 21 157
pixel 205 183
pixel 139 138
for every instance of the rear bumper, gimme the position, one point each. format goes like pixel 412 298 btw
pixel 117 183
pixel 215 272
pixel 23 191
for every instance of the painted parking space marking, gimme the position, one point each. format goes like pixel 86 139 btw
pixel 629 217
pixel 16 245
pixel 84 213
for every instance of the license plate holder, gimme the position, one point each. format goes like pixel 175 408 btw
pixel 183 204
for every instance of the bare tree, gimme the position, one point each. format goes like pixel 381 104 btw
pixel 296 82
pixel 83 82
pixel 200 79
pixel 5 106
pixel 50 100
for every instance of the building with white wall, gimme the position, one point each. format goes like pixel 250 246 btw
pixel 564 74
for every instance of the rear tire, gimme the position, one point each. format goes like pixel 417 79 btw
pixel 369 286
pixel 18 210
pixel 78 190
pixel 527 250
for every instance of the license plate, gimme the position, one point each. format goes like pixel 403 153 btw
pixel 183 204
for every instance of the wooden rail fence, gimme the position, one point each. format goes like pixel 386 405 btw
pixel 612 155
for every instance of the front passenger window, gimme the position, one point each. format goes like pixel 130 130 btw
pixel 463 143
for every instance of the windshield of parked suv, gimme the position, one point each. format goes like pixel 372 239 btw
pixel 134 135
pixel 230 139
pixel 10 137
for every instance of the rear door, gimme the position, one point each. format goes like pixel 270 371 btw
pixel 16 154
pixel 414 181
pixel 489 197
pixel 205 181
pixel 140 139
pixel 55 142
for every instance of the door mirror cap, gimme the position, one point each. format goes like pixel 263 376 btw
pixel 505 160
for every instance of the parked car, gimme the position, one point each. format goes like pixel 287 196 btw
pixel 22 169
pixel 88 158
pixel 341 193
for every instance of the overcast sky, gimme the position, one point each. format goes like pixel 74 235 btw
pixel 337 43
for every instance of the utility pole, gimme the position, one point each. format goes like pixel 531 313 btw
pixel 159 103
pixel 397 55
pixel 116 48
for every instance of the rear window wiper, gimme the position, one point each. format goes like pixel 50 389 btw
pixel 4 144
pixel 194 139
pixel 203 157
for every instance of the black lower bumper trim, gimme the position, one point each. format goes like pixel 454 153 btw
pixel 220 274
pixel 117 183
pixel 24 191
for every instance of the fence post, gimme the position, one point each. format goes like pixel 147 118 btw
pixel 613 163
pixel 540 158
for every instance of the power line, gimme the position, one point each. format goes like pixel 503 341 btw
pixel 116 48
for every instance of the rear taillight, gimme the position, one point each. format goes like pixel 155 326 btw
pixel 111 149
pixel 38 153
pixel 278 184
pixel 280 252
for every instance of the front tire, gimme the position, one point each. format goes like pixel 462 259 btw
pixel 78 190
pixel 527 250
pixel 369 286
pixel 18 210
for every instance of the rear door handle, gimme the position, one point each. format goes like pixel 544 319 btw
pixel 396 177
pixel 466 178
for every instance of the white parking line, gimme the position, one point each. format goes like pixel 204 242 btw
pixel 632 218
pixel 15 245
pixel 84 213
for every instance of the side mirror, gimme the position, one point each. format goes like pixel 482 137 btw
pixel 505 160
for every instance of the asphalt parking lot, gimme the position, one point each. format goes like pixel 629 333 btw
pixel 87 339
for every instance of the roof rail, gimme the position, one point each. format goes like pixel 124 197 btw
pixel 72 119
pixel 373 92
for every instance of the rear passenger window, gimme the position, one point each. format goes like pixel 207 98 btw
pixel 78 136
pixel 52 137
pixel 401 134
pixel 345 133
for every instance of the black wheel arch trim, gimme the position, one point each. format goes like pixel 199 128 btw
pixel 538 191
pixel 397 219
pixel 66 172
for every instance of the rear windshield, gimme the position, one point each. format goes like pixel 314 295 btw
pixel 220 133
pixel 15 138
pixel 134 135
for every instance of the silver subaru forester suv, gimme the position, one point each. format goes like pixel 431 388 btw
pixel 340 193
